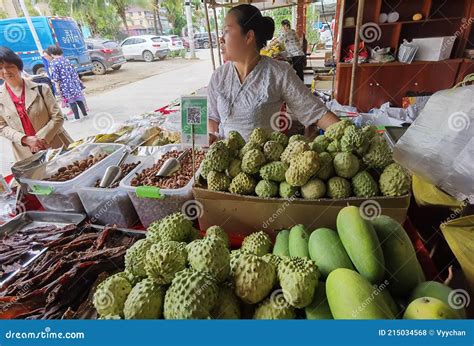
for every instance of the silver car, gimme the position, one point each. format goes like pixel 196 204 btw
pixel 105 54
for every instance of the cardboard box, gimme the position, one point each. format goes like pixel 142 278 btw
pixel 241 215
pixel 434 48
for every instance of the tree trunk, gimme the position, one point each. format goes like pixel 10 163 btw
pixel 158 17
pixel 155 23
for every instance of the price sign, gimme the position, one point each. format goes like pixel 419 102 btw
pixel 194 120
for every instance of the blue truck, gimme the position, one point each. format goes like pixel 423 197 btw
pixel 61 31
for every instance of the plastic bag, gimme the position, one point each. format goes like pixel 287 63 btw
pixel 439 145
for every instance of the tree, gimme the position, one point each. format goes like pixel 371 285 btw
pixel 59 7
pixel 175 14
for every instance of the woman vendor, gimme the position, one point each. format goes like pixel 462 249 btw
pixel 248 91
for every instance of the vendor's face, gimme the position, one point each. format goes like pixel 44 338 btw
pixel 8 71
pixel 235 45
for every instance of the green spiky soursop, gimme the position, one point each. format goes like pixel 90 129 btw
pixel 279 137
pixel 235 141
pixel 275 307
pixel 210 255
pixel 247 147
pixel 295 138
pixel 336 131
pixel 394 181
pixel 243 184
pixel 152 232
pixel 274 171
pixel 326 170
pixel 320 144
pixel 252 161
pixel 302 167
pixel 192 295
pixel 258 136
pixel 110 295
pixel 227 306
pixel 257 243
pixel 370 131
pixel 293 149
pixel 135 257
pixel 219 232
pixel 145 301
pixel 234 168
pixel 313 189
pixel 253 278
pixel 205 169
pixel 354 141
pixel 175 227
pixel 288 191
pixel 164 260
pixel 235 256
pixel 338 188
pixel 298 279
pixel 132 279
pixel 218 156
pixel 364 185
pixel 217 181
pixel 334 147
pixel 379 154
pixel 272 150
pixel 273 259
pixel 346 165
pixel 266 189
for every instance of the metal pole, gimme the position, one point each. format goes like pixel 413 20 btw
pixel 355 60
pixel 217 35
pixel 189 20
pixel 210 37
pixel 31 27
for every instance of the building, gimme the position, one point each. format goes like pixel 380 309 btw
pixel 140 21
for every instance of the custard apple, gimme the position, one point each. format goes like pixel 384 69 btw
pixel 135 257
pixel 273 259
pixel 210 255
pixel 258 136
pixel 302 167
pixel 370 131
pixel 327 169
pixel 234 168
pixel 354 141
pixel 243 184
pixel 253 278
pixel 175 227
pixel 288 191
pixel 313 189
pixel 217 181
pixel 320 144
pixel 205 168
pixel 257 243
pixel 346 165
pixel 145 301
pixel 252 161
pixel 272 150
pixel 110 317
pixel 193 235
pixel 227 306
pixel 293 149
pixel 274 171
pixel 275 307
pixel 218 156
pixel 378 155
pixel 298 279
pixel 164 260
pixel 132 279
pixel 364 185
pixel 235 141
pixel 152 232
pixel 110 295
pixel 247 147
pixel 336 131
pixel 192 295
pixel 219 232
pixel 394 181
pixel 279 137
pixel 266 189
pixel 235 256
pixel 338 188
pixel 295 138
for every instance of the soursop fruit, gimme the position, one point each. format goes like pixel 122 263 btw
pixel 164 260
pixel 234 168
pixel 135 257
pixel 273 259
pixel 295 138
pixel 252 161
pixel 110 295
pixel 302 167
pixel 266 189
pixel 354 141
pixel 338 188
pixel 334 147
pixel 192 295
pixel 132 279
pixel 293 149
pixel 219 232
pixel 258 136
pixel 394 181
pixel 279 137
pixel 364 185
pixel 210 255
pixel 327 169
pixel 175 227
pixel 370 131
pixel 275 307
pixel 235 256
pixel 243 184
pixel 205 168
pixel 274 171
pixel 217 181
pixel 288 191
pixel 253 278
pixel 145 301
pixel 152 232
pixel 320 144
pixel 247 147
pixel 298 279
pixel 218 156
pixel 227 306
pixel 272 150
pixel 346 165
pixel 235 141
pixel 313 189
pixel 336 131
pixel 257 243
pixel 378 155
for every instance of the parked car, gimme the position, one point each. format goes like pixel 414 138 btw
pixel 185 40
pixel 61 31
pixel 144 47
pixel 201 40
pixel 174 42
pixel 105 54
pixel 325 35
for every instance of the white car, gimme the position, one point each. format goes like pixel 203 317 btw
pixel 174 42
pixel 144 47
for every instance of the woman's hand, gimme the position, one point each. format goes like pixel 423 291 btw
pixel 34 143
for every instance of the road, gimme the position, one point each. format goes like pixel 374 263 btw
pixel 135 89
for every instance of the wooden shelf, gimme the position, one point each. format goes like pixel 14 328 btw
pixel 430 20
pixel 398 63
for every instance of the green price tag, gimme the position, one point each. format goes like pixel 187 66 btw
pixel 42 190
pixel 149 192
pixel 194 120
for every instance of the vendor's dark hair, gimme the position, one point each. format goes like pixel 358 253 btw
pixel 9 56
pixel 286 22
pixel 250 18
pixel 54 50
